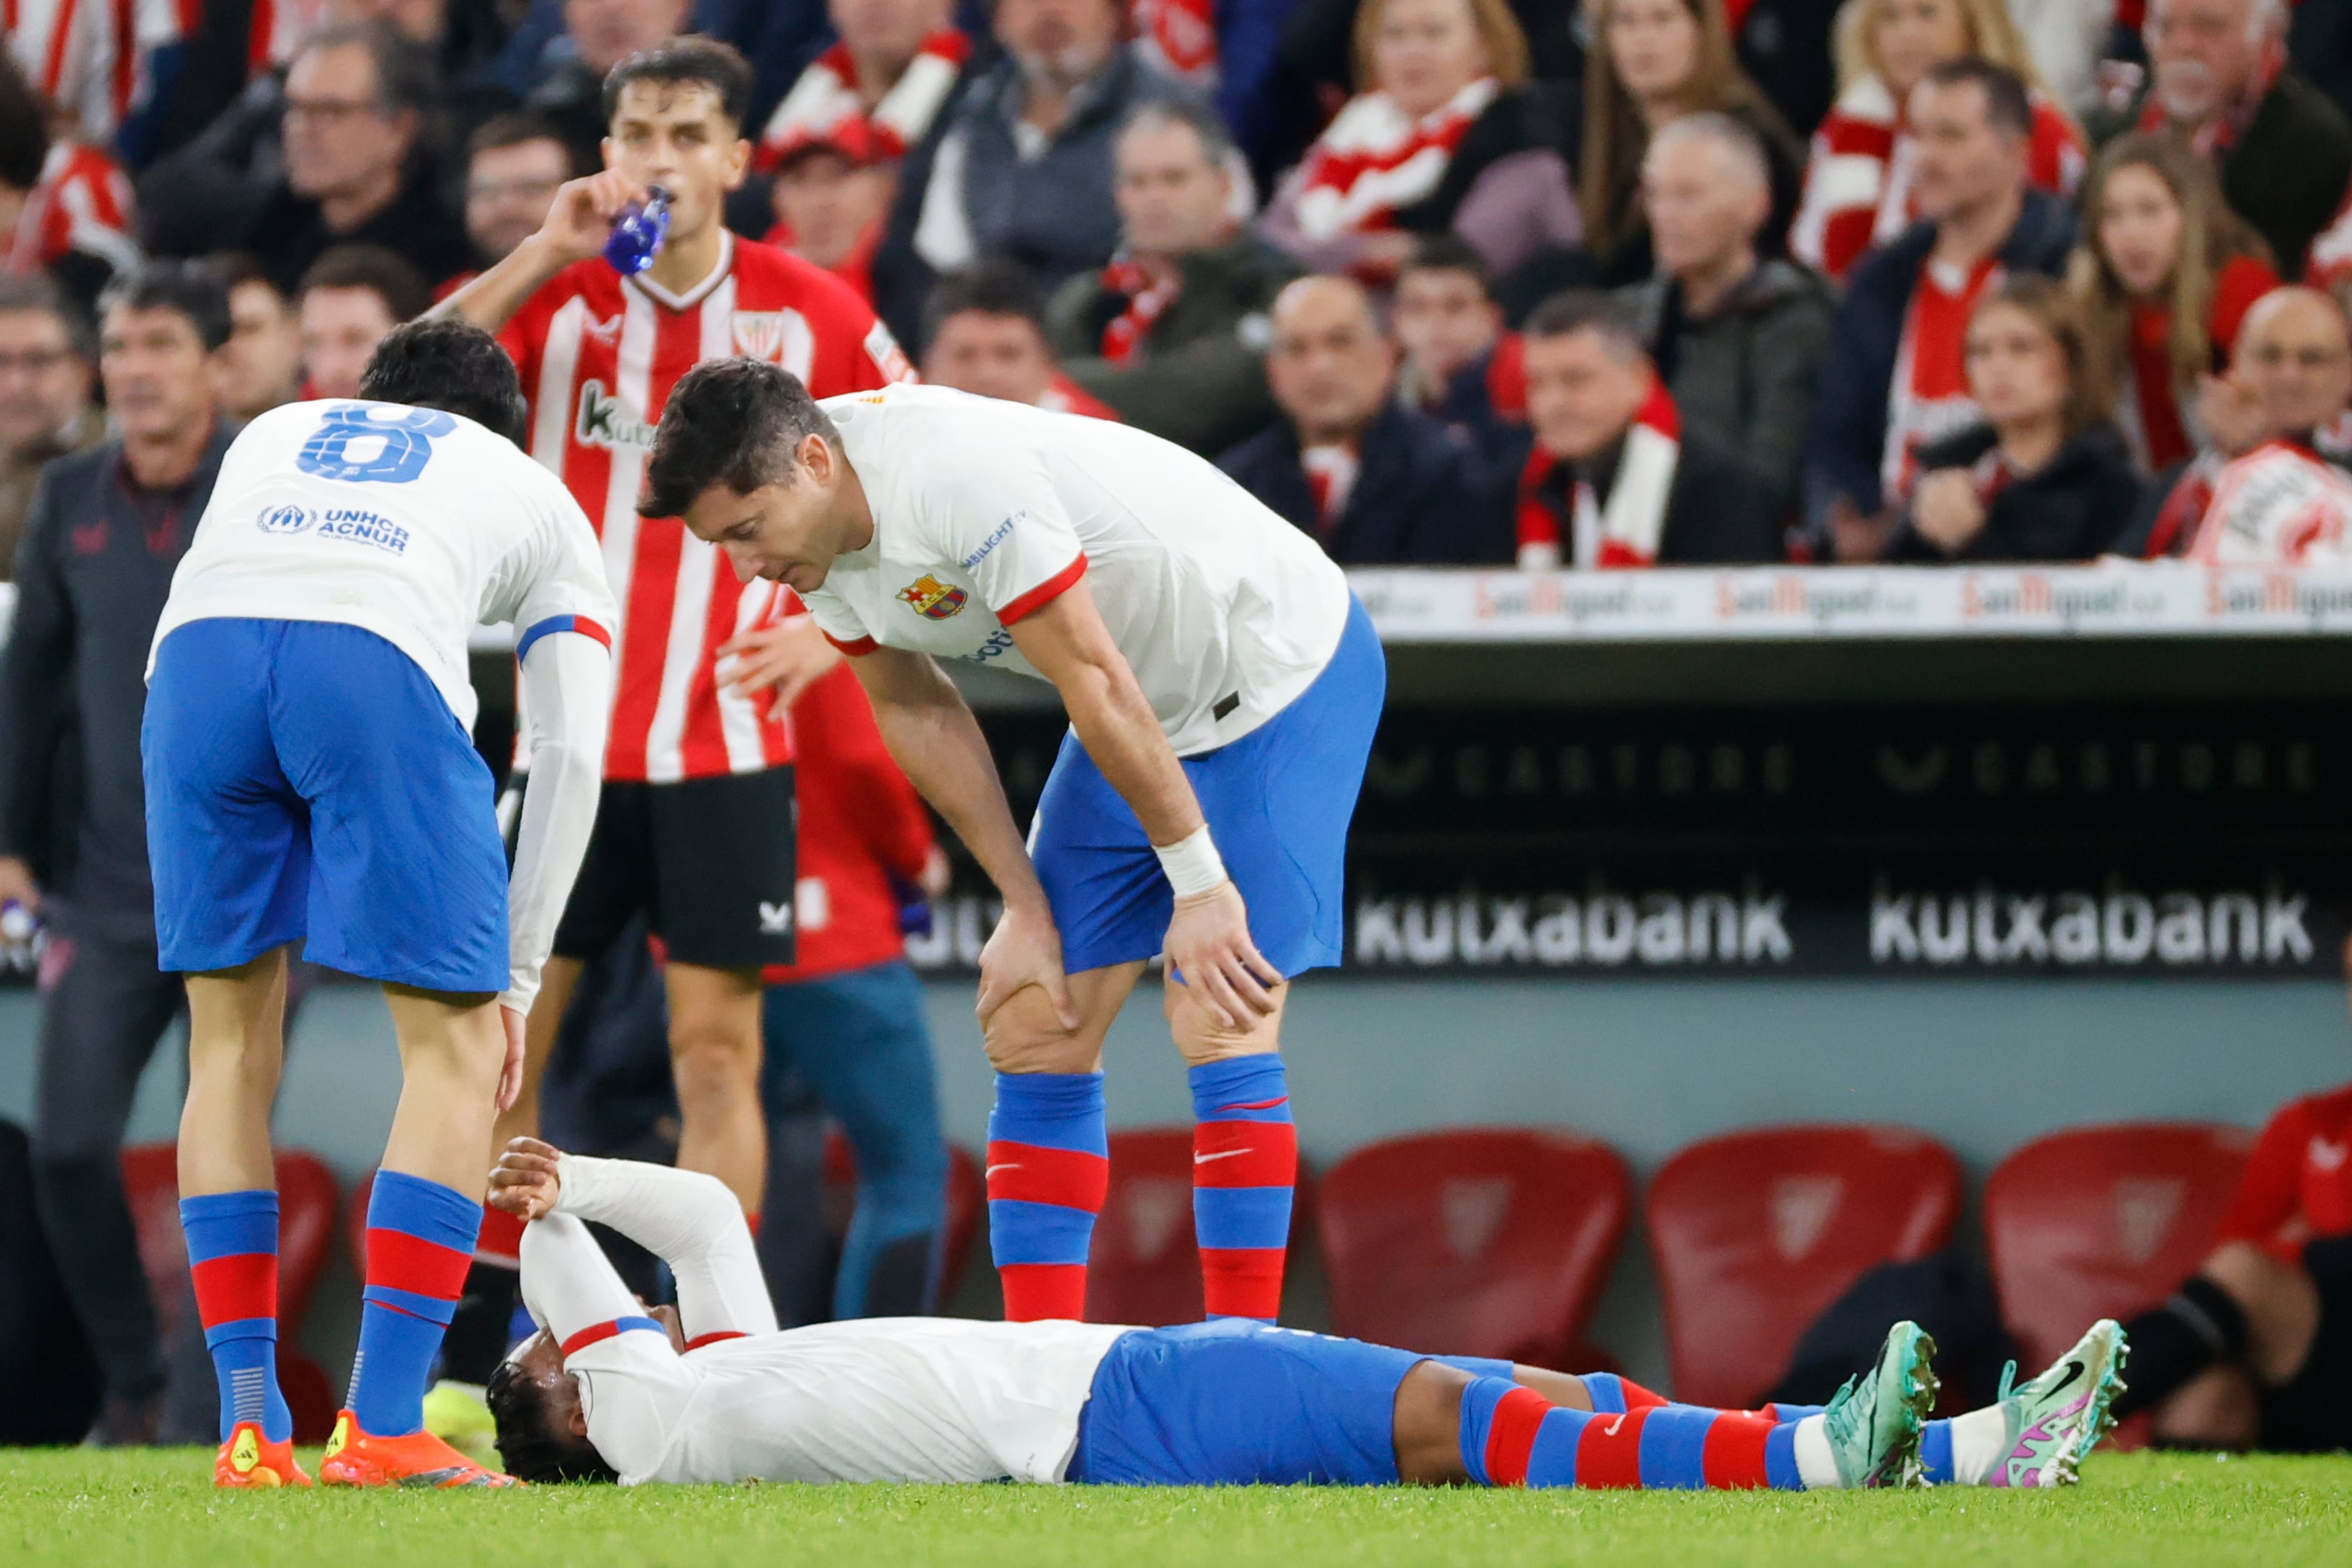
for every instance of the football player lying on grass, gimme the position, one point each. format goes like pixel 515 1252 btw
pixel 716 1392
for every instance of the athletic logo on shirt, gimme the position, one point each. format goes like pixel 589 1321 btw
pixel 933 599
pixel 779 337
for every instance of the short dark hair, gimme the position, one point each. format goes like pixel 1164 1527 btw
pixel 406 76
pixel 528 1444
pixel 735 423
pixel 400 286
pixel 2009 107
pixel 1216 142
pixel 38 292
pixel 452 365
pixel 993 287
pixel 191 287
pixel 1585 310
pixel 689 59
pixel 23 128
pixel 1449 252
pixel 235 268
pixel 517 128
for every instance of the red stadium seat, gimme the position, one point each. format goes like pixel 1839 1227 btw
pixel 967 1200
pixel 2099 1222
pixel 1144 1269
pixel 1755 1233
pixel 1479 1242
pixel 306 1229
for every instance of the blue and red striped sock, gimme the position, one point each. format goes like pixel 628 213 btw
pixel 233 1254
pixel 1048 1172
pixel 420 1241
pixel 1512 1435
pixel 1245 1168
pixel 1614 1395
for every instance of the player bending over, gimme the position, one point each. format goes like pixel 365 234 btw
pixel 1223 686
pixel 716 1393
pixel 311 776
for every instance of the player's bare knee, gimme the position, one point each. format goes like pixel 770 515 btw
pixel 1033 1040
pixel 1202 1037
pixel 714 1067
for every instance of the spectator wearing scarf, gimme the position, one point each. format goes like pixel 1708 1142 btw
pixel 890 73
pixel 1442 134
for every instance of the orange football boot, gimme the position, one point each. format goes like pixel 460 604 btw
pixel 250 1459
pixel 358 1459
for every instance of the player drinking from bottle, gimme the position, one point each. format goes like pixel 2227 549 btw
pixel 311 778
pixel 1223 686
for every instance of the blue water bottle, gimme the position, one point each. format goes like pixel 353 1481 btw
pixel 637 234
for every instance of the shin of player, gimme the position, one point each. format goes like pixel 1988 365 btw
pixel 314 780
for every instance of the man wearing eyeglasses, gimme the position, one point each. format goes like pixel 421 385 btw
pixel 45 371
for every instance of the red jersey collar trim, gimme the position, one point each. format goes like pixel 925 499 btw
pixel 700 291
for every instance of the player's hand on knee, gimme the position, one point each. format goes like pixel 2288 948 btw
pixel 1024 950
pixel 1209 947
pixel 510 1075
pixel 527 1180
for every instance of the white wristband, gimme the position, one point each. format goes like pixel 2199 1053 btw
pixel 1191 863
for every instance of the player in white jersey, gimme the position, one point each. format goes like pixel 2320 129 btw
pixel 1223 686
pixel 715 1393
pixel 311 778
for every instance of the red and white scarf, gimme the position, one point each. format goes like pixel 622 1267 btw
pixel 2280 504
pixel 1180 36
pixel 826 96
pixel 1928 398
pixel 1858 181
pixel 90 57
pixel 82 202
pixel 1625 531
pixel 1374 159
pixel 1146 300
pixel 1331 471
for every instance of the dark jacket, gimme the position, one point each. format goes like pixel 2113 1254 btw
pixel 91 576
pixel 2075 507
pixel 1198 377
pixel 1630 258
pixel 1848 440
pixel 1716 513
pixel 1745 371
pixel 2286 172
pixel 1417 500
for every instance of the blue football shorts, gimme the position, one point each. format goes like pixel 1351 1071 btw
pixel 307 781
pixel 1237 1403
pixel 1277 802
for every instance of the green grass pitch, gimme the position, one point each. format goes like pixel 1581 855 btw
pixel 153 1510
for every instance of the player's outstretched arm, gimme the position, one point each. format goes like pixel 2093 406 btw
pixel 937 743
pixel 1208 940
pixel 576 228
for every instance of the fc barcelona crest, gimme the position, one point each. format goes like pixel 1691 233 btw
pixel 933 599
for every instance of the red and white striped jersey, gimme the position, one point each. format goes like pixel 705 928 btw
pixel 83 202
pixel 598 356
pixel 91 56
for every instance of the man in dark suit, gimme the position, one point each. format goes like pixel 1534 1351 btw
pixel 1376 482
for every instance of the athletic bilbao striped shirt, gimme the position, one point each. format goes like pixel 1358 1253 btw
pixel 598 356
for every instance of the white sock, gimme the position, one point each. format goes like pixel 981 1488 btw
pixel 1816 1464
pixel 1980 1443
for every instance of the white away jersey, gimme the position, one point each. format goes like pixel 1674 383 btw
pixel 872 1399
pixel 985 510
pixel 413 524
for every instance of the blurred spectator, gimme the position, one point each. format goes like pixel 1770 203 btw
pixel 1738 341
pixel 1376 482
pixel 514 165
pixel 1022 168
pixel 1456 362
pixel 356 170
pixel 47 371
pixel 984 332
pixel 2283 503
pixel 349 301
pixel 1614 478
pixel 1441 134
pixel 64 206
pixel 2220 79
pixel 1896 377
pixel 2166 275
pixel 890 71
pixel 1857 181
pixel 831 196
pixel 1171 334
pixel 2046 475
pixel 90 61
pixel 261 365
pixel 566 83
pixel 106 531
pixel 1650 61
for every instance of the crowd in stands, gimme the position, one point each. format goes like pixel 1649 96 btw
pixel 1800 231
